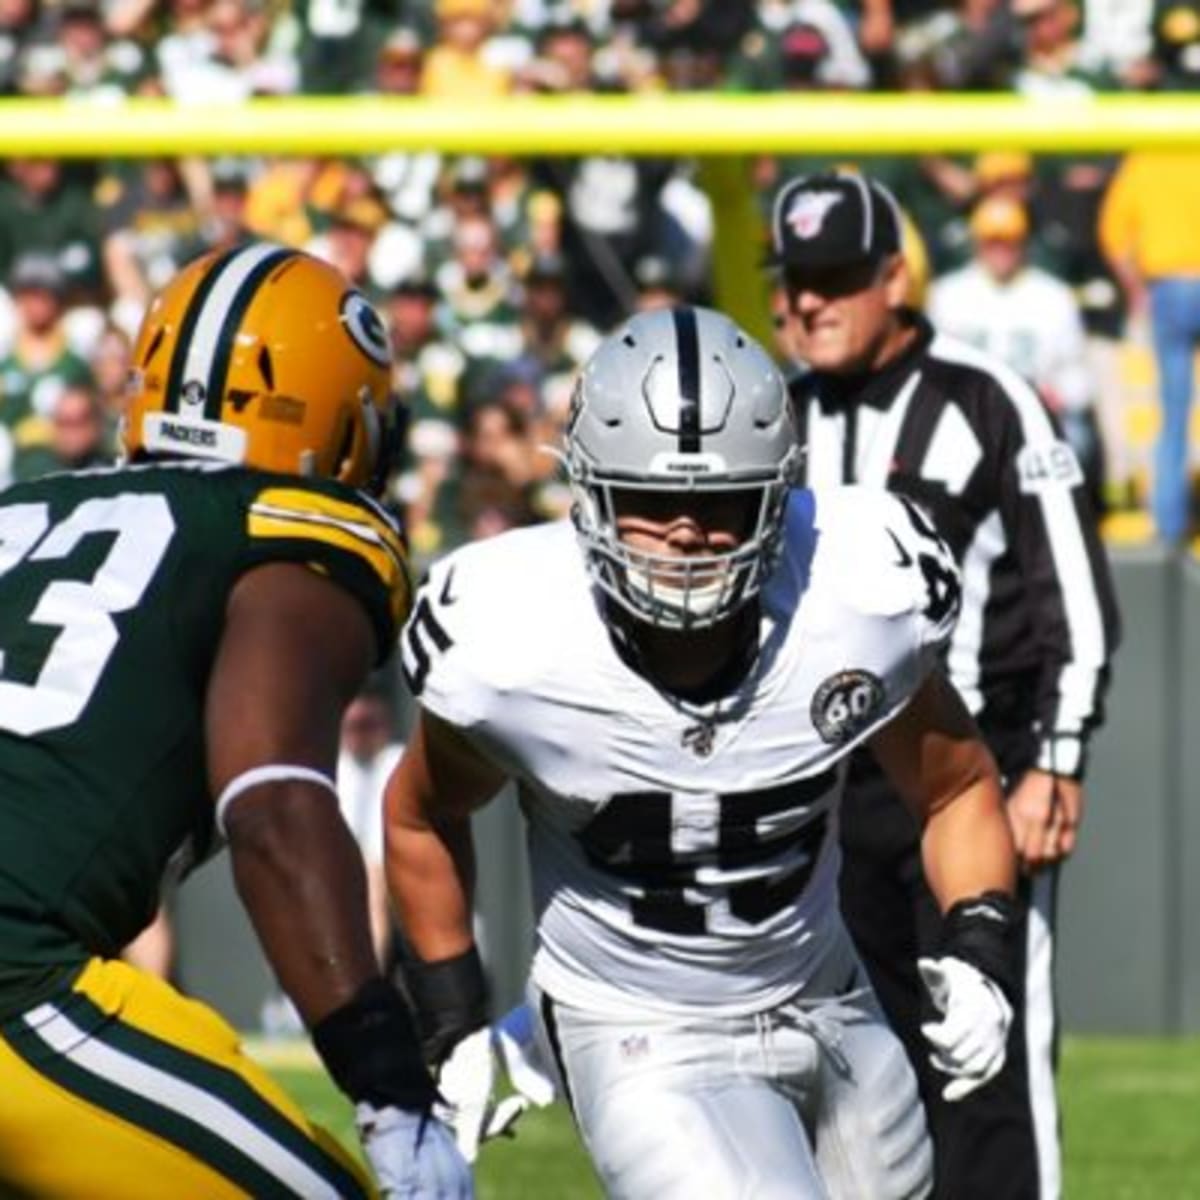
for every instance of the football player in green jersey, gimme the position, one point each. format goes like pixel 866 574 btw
pixel 178 639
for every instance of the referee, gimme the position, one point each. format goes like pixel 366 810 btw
pixel 884 400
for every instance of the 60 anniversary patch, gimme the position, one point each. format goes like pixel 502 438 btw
pixel 846 704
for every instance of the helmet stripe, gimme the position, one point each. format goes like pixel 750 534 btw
pixel 187 326
pixel 689 379
pixel 218 374
pixel 199 335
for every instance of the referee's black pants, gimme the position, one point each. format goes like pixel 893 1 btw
pixel 985 1145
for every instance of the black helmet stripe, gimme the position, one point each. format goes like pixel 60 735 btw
pixel 219 372
pixel 688 343
pixel 187 327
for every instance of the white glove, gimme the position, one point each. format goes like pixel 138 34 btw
pixel 412 1154
pixel 467 1081
pixel 969 1042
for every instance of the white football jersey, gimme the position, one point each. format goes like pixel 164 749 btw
pixel 683 855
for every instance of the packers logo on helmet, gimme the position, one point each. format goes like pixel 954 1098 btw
pixel 266 357
pixel 364 325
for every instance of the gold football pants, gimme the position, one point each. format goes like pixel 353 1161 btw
pixel 120 1088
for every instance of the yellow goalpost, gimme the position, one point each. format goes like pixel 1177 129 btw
pixel 720 128
pixel 672 124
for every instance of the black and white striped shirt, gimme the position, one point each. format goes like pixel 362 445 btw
pixel 968 438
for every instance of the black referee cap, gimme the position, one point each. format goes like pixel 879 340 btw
pixel 835 219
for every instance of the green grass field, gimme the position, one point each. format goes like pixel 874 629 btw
pixel 1131 1117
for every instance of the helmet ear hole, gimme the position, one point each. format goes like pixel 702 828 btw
pixel 152 349
pixel 266 367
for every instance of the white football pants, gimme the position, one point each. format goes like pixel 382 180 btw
pixel 813 1100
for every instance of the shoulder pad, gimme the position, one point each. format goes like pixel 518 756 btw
pixel 886 557
pixel 340 532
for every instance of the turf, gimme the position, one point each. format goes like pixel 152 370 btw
pixel 1131 1118
pixel 1130 1125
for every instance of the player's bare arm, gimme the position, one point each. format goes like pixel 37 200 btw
pixel 936 759
pixel 295 648
pixel 430 864
pixel 430 860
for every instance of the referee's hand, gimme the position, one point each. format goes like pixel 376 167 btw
pixel 1044 813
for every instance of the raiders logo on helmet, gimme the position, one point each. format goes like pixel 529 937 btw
pixel 846 704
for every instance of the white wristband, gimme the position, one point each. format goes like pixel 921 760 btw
pixel 1061 754
pixel 271 773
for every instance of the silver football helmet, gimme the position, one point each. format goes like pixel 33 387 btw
pixel 680 400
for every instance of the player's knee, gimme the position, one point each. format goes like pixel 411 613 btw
pixel 904 1152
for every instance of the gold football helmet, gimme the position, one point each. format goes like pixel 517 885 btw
pixel 267 357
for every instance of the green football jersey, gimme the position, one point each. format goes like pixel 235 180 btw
pixel 113 590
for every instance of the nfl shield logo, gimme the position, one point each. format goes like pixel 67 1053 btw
pixel 807 212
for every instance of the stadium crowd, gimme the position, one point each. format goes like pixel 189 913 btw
pixel 498 276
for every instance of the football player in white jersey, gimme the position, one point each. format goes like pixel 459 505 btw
pixel 674 678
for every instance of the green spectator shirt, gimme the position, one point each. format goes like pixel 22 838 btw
pixel 113 590
pixel 27 398
pixel 65 222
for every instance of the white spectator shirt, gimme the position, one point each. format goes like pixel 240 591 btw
pixel 684 856
pixel 845 65
pixel 1116 33
pixel 1031 323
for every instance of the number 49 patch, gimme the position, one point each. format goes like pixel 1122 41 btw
pixel 1052 465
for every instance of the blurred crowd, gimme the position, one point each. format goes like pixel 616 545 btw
pixel 497 276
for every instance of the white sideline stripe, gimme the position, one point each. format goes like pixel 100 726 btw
pixel 1039 1034
pixel 190 1101
pixel 216 308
